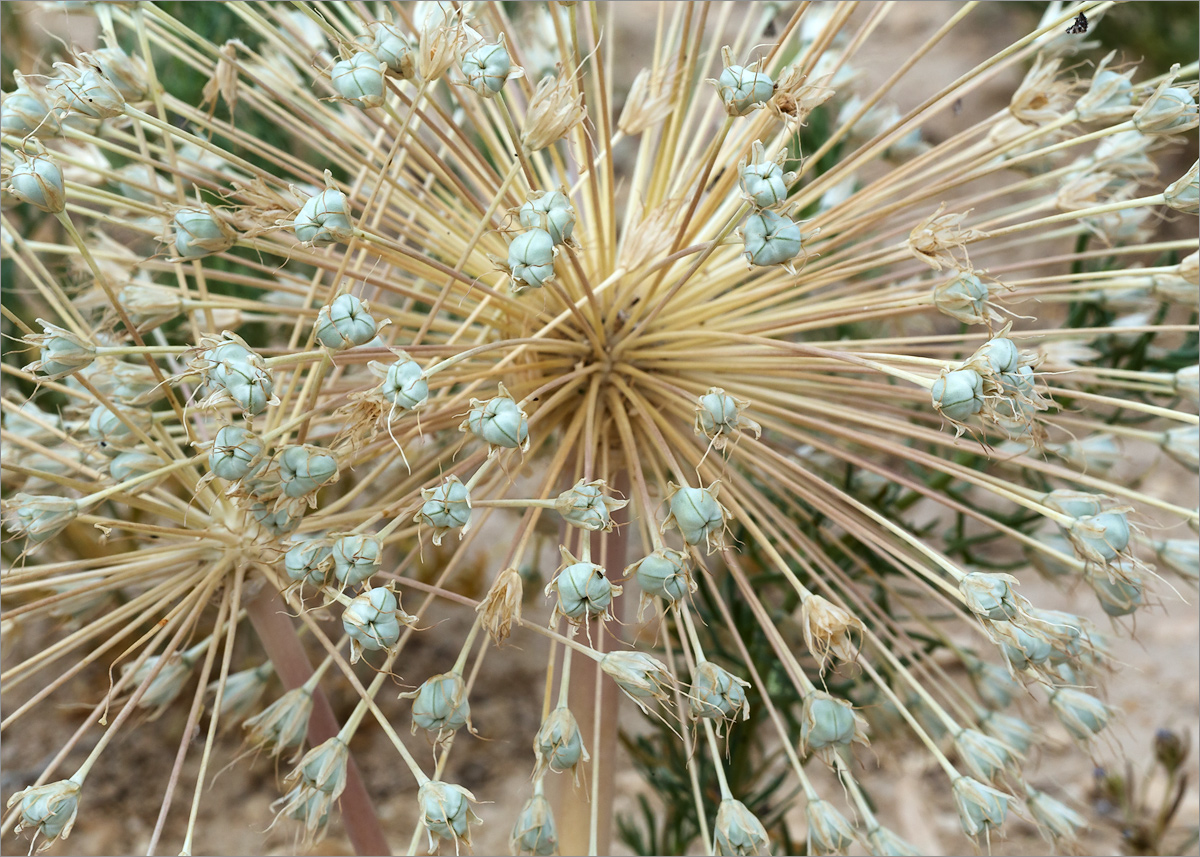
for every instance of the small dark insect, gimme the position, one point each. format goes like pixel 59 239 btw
pixel 1080 25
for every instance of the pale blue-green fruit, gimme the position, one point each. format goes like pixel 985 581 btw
pixel 737 831
pixel 325 219
pixel 826 721
pixel 371 619
pixel 440 704
pixel 1166 112
pixel 304 469
pixel 771 239
pixel 390 47
pixel 531 258
pixel 39 182
pixel 534 832
pixel 446 507
pixel 446 812
pixel 981 808
pixel 559 743
pixel 963 298
pixel 828 830
pixel 549 211
pixel 663 573
pixel 356 558
pixel 198 233
pixel 1082 714
pixel 989 595
pixel 405 386
pixel 499 422
pixel 763 183
pixel 345 323
pixel 359 79
pixel 742 89
pixel 234 451
pixel 308 562
pixel 486 68
pixel 697 515
pixel 984 756
pixel 583 590
pixel 999 354
pixel 1101 536
pixel 717 694
pixel 49 809
pixel 958 395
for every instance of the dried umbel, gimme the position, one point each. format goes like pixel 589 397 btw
pixel 266 315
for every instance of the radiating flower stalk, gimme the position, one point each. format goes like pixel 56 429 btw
pixel 714 344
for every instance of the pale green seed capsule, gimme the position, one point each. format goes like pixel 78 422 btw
pixel 882 842
pixel 642 677
pixel 304 469
pixel 235 451
pixel 1012 731
pixel 1118 597
pixel 828 830
pixel 390 47
pixel 62 352
pixel 990 595
pixel 998 355
pixel 534 832
pixel 549 211
pixel 88 92
pixel 25 112
pixel 586 506
pixel 963 298
pixel 1065 631
pixel 199 233
pixel 129 464
pixel 558 744
pixel 308 806
pixel 165 686
pixel 1182 556
pixel 499 422
pixel 1081 713
pixel 958 394
pixel 345 323
pixel 663 573
pixel 50 809
pixel 737 832
pixel 359 79
pixel 1100 538
pixel 243 690
pixel 446 812
pixel 355 558
pixel 1109 97
pixel 1023 647
pixel 440 705
pixel 984 756
pixel 39 182
pixel 771 239
pixel 283 724
pixel 826 721
pixel 1049 565
pixel 1076 504
pixel 322 770
pixel 717 694
pixel 38 518
pixel 1183 445
pixel 325 219
pixel 308 562
pixel 743 89
pixel 981 808
pixel 698 516
pixel 993 683
pixel 763 182
pixel 127 73
pixel 404 385
pixel 1183 194
pixel 583 591
pixel 373 620
pixel 241 374
pixel 109 431
pixel 1187 383
pixel 1169 110
pixel 719 417
pixel 1096 453
pixel 487 67
pixel 447 507
pixel 1057 821
pixel 531 259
